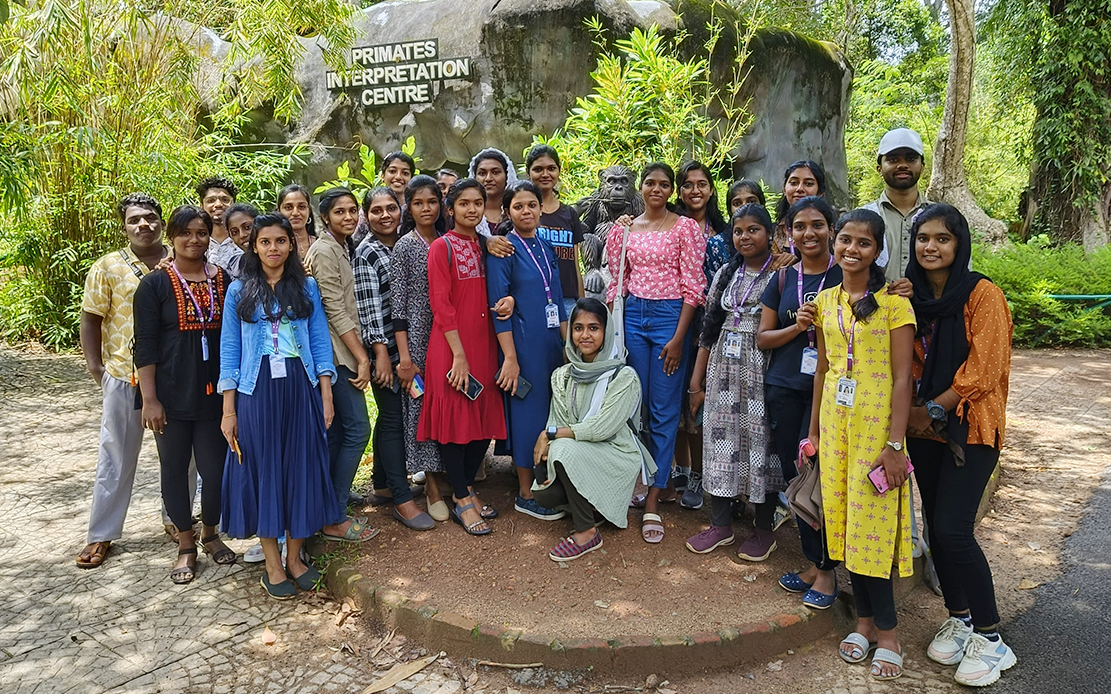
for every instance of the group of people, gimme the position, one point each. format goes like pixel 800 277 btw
pixel 733 353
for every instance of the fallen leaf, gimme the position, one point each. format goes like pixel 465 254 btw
pixel 774 667
pixel 651 682
pixel 399 673
pixel 1027 584
pixel 472 680
pixel 269 637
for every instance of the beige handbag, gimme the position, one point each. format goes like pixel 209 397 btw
pixel 804 494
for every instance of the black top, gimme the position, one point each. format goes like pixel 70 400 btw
pixel 564 231
pixel 786 362
pixel 168 334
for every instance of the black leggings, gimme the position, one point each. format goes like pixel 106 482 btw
pixel 178 442
pixel 389 445
pixel 461 462
pixel 950 498
pixel 562 492
pixel 875 598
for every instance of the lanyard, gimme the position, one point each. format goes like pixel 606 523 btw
pixel 275 323
pixel 810 331
pixel 738 304
pixel 546 279
pixel 851 336
pixel 196 304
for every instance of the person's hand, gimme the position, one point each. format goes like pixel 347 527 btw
pixel 97 372
pixel 672 354
pixel 894 466
pixel 920 421
pixel 540 451
pixel 383 370
pixel 901 287
pixel 229 427
pixel 308 270
pixel 362 376
pixel 329 410
pixel 504 308
pixel 460 373
pixel 406 372
pixel 499 246
pixel 696 401
pixel 154 417
pixel 625 220
pixel 813 436
pixel 510 371
pixel 806 315
pixel 782 260
pixel 166 263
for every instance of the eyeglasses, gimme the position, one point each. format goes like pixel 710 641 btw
pixel 700 185
pixel 217 198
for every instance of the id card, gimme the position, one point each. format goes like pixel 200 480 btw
pixel 204 347
pixel 732 348
pixel 277 366
pixel 809 361
pixel 846 391
pixel 551 313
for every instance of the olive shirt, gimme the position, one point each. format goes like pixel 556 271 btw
pixel 897 245
pixel 331 268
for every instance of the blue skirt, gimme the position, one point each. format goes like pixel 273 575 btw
pixel 283 484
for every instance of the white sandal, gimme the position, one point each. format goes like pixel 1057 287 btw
pixel 652 522
pixel 887 657
pixel 859 642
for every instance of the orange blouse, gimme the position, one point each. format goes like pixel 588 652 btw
pixel 984 378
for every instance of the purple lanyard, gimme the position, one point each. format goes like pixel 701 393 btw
pixel 546 279
pixel 738 304
pixel 851 336
pixel 274 324
pixel 810 331
pixel 196 304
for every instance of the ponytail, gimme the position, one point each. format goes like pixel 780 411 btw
pixel 868 304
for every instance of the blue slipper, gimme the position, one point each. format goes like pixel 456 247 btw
pixel 793 584
pixel 819 601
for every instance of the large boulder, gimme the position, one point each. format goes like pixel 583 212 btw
pixel 500 71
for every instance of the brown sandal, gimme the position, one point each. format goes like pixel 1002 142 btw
pixel 93 555
pixel 185 574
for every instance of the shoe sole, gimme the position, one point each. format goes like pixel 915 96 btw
pixel 254 561
pixel 682 502
pixel 758 559
pixel 820 607
pixel 577 556
pixel 721 543
pixel 792 590
pixel 955 659
pixel 538 516
pixel 262 583
pixel 993 676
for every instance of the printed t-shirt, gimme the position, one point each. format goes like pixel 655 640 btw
pixel 563 230
pixel 110 293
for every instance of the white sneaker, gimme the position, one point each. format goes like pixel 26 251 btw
pixel 983 661
pixel 254 555
pixel 947 647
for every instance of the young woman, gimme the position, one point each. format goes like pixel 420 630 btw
pixel 462 356
pixel 397 170
pixel 537 327
pixel 862 397
pixel 295 202
pixel 744 192
pixel 494 170
pixel 962 364
pixel 329 261
pixel 444 179
pixel 729 379
pixel 421 224
pixel 276 375
pixel 589 457
pixel 664 282
pixel 239 220
pixel 698 199
pixel 801 179
pixel 559 224
pixel 178 313
pixel 374 297
pixel 786 329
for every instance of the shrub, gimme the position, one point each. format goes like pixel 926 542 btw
pixel 1028 273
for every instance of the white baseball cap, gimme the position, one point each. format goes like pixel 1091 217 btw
pixel 901 138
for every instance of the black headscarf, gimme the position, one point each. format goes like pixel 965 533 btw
pixel 943 317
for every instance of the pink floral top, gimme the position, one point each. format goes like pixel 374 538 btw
pixel 660 264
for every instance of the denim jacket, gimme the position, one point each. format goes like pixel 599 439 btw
pixel 242 344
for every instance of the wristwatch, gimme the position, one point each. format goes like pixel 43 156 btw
pixel 552 431
pixel 896 446
pixel 935 411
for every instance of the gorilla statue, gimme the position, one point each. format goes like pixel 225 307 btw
pixel 616 195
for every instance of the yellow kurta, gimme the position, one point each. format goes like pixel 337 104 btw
pixel 867 530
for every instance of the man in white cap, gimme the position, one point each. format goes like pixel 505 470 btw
pixel 900 162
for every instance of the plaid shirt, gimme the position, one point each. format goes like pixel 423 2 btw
pixel 372 295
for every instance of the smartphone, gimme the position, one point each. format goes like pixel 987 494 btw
pixel 474 388
pixel 879 477
pixel 523 386
pixel 417 388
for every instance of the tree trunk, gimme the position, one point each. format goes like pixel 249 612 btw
pixel 948 182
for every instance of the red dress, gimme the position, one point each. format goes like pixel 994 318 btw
pixel 459 302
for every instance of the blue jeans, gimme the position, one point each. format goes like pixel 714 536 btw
pixel 347 437
pixel 649 325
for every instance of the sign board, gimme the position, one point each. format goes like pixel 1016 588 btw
pixel 398 73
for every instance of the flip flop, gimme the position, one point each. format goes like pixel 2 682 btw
pixel 652 522
pixel 889 657
pixel 353 534
pixel 861 643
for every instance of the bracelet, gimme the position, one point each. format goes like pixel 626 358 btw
pixel 233 414
pixel 692 392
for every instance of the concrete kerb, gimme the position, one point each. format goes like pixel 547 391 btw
pixel 745 644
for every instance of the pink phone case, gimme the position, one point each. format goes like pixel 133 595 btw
pixel 879 478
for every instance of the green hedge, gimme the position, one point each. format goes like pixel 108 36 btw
pixel 1029 272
